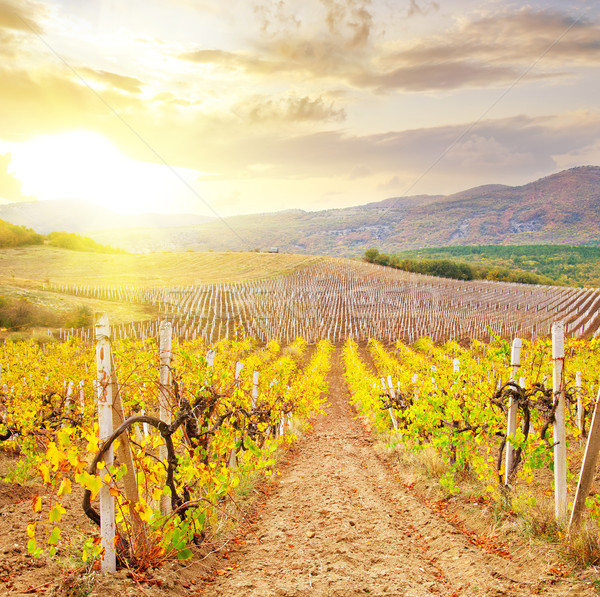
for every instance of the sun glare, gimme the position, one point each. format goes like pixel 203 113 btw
pixel 86 165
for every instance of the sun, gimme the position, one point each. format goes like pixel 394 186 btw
pixel 85 165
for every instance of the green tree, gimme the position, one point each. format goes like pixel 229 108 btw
pixel 371 255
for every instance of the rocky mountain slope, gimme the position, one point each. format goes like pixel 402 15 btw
pixel 563 208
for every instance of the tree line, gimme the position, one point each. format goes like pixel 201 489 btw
pixel 446 268
pixel 12 235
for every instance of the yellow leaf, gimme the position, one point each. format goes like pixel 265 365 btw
pixel 36 503
pixel 56 513
pixel 92 483
pixel 44 472
pixel 54 456
pixel 143 510
pixel 31 530
pixel 65 487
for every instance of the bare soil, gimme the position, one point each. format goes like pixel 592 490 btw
pixel 338 521
pixel 341 523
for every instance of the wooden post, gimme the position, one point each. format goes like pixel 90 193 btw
pixel 254 389
pixel 105 423
pixel 233 456
pixel 81 397
pixel 511 426
pixel 210 360
pixel 165 333
pixel 588 469
pixel 390 389
pixel 579 401
pixel 456 365
pixel 238 369
pixel 560 434
pixel 125 456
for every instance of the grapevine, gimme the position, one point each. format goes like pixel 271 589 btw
pixel 220 433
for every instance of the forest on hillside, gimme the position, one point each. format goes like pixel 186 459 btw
pixel 565 264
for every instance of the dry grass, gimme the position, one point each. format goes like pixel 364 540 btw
pixel 63 303
pixel 32 266
pixel 524 510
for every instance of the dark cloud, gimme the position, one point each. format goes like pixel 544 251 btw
pixel 19 16
pixel 10 187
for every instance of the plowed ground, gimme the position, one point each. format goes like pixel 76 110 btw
pixel 341 523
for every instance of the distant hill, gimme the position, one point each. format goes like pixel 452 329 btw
pixel 70 215
pixel 563 208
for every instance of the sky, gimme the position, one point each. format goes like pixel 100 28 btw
pixel 230 107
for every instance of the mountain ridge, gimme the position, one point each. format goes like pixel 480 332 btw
pixel 72 215
pixel 562 208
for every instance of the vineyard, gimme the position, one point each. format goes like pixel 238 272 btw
pixel 138 445
pixel 338 299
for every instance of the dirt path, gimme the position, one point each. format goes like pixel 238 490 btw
pixel 340 524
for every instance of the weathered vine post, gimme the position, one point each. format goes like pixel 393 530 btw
pixel 105 423
pixel 560 434
pixel 588 468
pixel 254 389
pixel 511 426
pixel 209 372
pixel 165 334
pixel 82 396
pixel 579 401
pixel 233 456
pixel 390 389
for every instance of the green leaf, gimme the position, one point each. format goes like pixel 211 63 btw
pixel 31 546
pixel 252 447
pixel 54 536
pixel 184 554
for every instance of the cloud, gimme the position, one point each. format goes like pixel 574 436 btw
pixel 441 76
pixel 418 8
pixel 492 50
pixel 273 16
pixel 19 17
pixel 48 100
pixel 10 187
pixel 512 38
pixel 128 84
pixel 336 37
pixel 350 21
pixel 243 61
pixel 392 184
pixel 288 109
pixel 487 51
pixel 503 150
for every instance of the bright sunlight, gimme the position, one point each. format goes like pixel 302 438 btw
pixel 85 165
